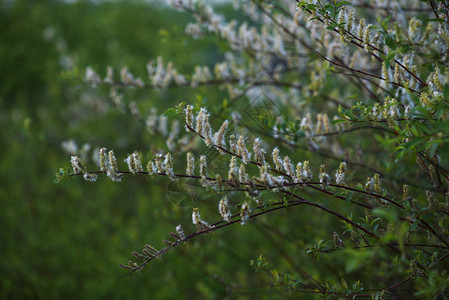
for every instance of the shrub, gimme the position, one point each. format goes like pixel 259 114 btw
pixel 334 105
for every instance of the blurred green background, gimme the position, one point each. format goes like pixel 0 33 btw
pixel 65 240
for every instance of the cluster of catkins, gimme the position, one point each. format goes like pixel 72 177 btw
pixel 283 175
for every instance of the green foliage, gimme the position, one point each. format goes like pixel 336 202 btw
pixel 172 111
pixel 324 147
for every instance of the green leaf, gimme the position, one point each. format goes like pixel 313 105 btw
pixel 341 3
pixel 384 23
pixel 446 92
pixel 170 112
pixel 350 114
pixel 414 130
pixel 390 42
pixel 404 49
pixel 328 6
pixel 338 121
pixel 398 148
pixel 300 134
pixel 275 274
pixel 344 283
pixel 332 26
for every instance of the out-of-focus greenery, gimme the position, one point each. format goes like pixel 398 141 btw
pixel 65 241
